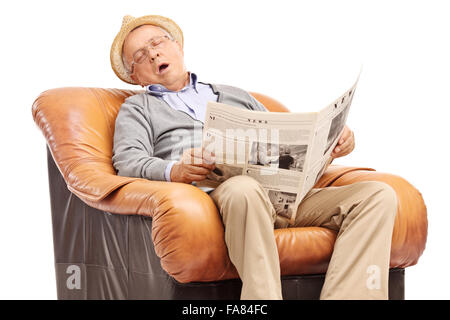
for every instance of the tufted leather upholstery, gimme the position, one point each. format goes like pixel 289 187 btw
pixel 187 232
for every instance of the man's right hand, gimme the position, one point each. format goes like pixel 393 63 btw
pixel 194 165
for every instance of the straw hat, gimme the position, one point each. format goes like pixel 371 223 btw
pixel 128 24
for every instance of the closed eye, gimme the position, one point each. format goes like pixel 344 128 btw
pixel 156 42
pixel 140 55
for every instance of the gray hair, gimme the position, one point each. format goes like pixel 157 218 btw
pixel 125 62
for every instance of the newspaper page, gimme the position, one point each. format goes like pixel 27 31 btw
pixel 286 153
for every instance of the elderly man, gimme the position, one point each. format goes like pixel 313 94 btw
pixel 158 136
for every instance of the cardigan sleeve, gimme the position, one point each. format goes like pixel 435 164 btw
pixel 134 145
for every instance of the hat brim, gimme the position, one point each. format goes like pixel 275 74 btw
pixel 116 48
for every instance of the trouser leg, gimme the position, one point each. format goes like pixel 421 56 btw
pixel 363 216
pixel 248 217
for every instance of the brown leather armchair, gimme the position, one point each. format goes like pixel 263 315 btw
pixel 131 238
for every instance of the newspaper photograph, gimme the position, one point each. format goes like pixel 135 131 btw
pixel 286 152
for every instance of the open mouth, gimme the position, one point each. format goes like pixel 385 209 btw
pixel 163 67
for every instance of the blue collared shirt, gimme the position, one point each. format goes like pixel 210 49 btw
pixel 192 99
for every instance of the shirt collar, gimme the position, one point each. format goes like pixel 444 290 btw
pixel 159 90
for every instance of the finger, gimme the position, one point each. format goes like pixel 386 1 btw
pixel 208 156
pixel 335 154
pixel 199 156
pixel 346 133
pixel 344 149
pixel 347 143
pixel 196 156
pixel 208 166
pixel 201 164
pixel 195 177
pixel 192 156
pixel 337 150
pixel 191 169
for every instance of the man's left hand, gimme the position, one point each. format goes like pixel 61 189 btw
pixel 345 145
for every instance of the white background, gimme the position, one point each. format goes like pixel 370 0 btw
pixel 304 54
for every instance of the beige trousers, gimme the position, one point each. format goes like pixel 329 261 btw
pixel 361 213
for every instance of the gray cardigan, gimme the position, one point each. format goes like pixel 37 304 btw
pixel 149 134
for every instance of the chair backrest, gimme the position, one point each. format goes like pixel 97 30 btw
pixel 78 124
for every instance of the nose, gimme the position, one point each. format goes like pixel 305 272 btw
pixel 152 54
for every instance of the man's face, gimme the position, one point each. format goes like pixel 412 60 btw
pixel 163 65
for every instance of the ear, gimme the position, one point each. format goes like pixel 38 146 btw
pixel 135 78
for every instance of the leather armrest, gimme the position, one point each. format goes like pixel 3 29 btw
pixel 187 230
pixel 411 224
pixel 78 125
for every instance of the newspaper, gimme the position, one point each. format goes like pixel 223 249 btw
pixel 286 153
